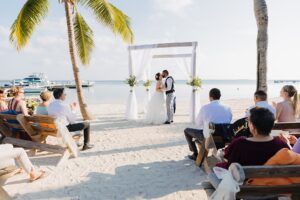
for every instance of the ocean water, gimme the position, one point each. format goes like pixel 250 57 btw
pixel 117 91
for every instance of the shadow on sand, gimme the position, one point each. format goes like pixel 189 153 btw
pixel 142 181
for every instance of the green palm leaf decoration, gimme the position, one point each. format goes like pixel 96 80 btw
pixel 83 38
pixel 29 17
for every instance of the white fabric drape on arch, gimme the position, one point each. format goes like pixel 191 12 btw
pixel 139 62
pixel 186 66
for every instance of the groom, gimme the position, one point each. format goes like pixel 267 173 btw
pixel 170 89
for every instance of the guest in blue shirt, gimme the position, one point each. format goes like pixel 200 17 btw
pixel 213 112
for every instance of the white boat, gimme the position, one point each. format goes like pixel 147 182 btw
pixel 34 89
pixel 84 84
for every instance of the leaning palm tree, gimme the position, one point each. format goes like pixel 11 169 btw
pixel 261 15
pixel 80 35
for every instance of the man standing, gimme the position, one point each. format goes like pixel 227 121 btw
pixel 213 112
pixel 66 113
pixel 170 90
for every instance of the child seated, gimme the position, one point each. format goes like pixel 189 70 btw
pixel 255 150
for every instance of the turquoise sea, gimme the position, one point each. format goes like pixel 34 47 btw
pixel 117 91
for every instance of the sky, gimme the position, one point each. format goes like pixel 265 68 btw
pixel 225 31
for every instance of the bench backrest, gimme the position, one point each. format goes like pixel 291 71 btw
pixel 272 171
pixel 9 124
pixel 286 125
pixel 42 124
pixel 10 121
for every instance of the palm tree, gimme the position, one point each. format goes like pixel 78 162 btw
pixel 261 15
pixel 80 35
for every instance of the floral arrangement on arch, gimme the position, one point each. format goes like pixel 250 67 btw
pixel 195 82
pixel 132 81
pixel 147 84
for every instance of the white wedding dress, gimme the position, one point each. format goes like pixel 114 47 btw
pixel 156 112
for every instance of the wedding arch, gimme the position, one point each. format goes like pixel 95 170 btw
pixel 139 63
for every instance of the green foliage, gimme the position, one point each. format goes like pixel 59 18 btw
pixel 111 17
pixel 122 25
pixel 147 83
pixel 195 82
pixel 83 38
pixel 34 11
pixel 32 104
pixel 29 17
pixel 132 81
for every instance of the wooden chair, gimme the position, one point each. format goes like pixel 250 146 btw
pixel 9 126
pixel 208 147
pixel 262 192
pixel 38 128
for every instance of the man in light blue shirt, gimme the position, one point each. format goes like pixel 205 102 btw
pixel 213 112
pixel 260 100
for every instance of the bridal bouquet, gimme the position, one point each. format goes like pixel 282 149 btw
pixel 132 81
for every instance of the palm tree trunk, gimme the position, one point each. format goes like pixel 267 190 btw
pixel 261 15
pixel 83 106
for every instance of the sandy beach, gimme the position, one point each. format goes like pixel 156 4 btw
pixel 131 160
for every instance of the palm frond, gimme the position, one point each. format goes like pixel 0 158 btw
pixel 122 25
pixel 83 38
pixel 29 17
pixel 101 9
pixel 110 16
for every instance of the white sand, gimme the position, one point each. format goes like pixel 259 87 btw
pixel 130 160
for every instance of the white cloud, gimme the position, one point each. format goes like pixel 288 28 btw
pixel 174 6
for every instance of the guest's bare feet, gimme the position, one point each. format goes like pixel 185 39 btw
pixel 35 175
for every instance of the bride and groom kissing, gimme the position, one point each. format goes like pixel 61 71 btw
pixel 161 107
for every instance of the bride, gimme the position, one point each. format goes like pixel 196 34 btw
pixel 156 112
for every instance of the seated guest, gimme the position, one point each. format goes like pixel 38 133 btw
pixel 258 149
pixel 8 153
pixel 287 109
pixel 17 104
pixel 42 109
pixel 213 112
pixel 3 104
pixel 66 112
pixel 260 100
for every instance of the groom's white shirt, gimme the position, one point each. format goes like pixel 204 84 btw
pixel 169 82
pixel 213 112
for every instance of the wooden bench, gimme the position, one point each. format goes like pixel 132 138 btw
pixel 38 128
pixel 261 192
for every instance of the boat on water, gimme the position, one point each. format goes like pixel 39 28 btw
pixel 34 83
pixel 84 84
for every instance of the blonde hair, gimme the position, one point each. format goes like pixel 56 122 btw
pixel 16 90
pixel 2 93
pixel 46 95
pixel 292 93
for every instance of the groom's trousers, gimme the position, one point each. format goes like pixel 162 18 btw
pixel 170 106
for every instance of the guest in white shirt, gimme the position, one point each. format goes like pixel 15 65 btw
pixel 213 112
pixel 66 113
pixel 260 100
